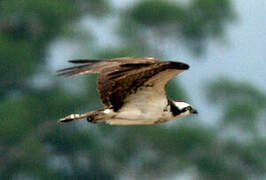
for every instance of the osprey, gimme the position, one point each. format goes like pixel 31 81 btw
pixel 132 90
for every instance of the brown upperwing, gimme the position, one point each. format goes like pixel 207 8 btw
pixel 115 85
pixel 99 66
pixel 122 77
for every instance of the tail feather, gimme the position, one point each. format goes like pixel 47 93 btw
pixel 72 117
pixel 89 115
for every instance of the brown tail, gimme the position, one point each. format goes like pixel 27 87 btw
pixel 89 115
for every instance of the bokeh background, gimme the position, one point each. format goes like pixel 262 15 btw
pixel 224 42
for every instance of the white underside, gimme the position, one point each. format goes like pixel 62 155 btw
pixel 128 122
pixel 135 118
pixel 147 106
pixel 137 114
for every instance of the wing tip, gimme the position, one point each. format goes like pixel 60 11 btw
pixel 184 66
pixel 64 72
pixel 81 65
pixel 82 61
pixel 179 65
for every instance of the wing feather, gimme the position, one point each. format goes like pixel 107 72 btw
pixel 82 61
pixel 114 87
pixel 121 79
pixel 85 66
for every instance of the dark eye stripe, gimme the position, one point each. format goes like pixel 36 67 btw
pixel 175 111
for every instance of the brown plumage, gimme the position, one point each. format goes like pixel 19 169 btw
pixel 121 78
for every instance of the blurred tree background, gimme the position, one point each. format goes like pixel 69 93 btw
pixel 34 146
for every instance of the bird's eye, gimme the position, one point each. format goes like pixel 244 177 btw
pixel 189 108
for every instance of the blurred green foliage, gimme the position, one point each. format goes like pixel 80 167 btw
pixel 242 104
pixel 32 143
pixel 192 23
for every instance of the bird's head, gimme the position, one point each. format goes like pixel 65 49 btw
pixel 182 109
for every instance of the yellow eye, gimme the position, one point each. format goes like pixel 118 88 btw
pixel 189 108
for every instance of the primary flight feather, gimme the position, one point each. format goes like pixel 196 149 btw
pixel 132 90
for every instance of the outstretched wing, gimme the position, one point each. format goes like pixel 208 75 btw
pixel 125 80
pixel 86 66
pixel 137 83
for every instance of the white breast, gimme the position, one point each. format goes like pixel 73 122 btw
pixel 150 101
pixel 147 106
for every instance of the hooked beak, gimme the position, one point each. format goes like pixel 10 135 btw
pixel 194 111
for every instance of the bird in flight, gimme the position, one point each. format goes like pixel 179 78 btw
pixel 132 90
